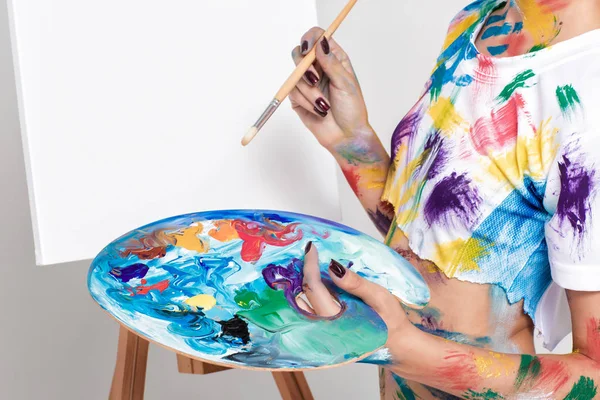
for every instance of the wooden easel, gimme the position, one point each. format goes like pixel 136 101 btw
pixel 129 378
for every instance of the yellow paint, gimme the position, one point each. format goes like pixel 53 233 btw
pixel 459 256
pixel 372 178
pixel 531 155
pixel 494 365
pixel 203 301
pixel 189 240
pixel 446 118
pixel 459 28
pixel 223 231
pixel 539 22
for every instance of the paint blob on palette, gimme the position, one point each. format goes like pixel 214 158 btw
pixel 221 286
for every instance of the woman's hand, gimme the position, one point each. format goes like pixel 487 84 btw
pixel 328 99
pixel 321 302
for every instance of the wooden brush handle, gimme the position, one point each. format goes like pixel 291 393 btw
pixel 310 57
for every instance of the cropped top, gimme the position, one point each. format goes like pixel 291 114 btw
pixel 495 170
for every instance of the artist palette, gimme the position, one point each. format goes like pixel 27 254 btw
pixel 221 287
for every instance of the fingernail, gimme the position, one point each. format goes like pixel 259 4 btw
pixel 304 46
pixel 321 113
pixel 325 45
pixel 308 247
pixel 311 77
pixel 322 104
pixel 337 269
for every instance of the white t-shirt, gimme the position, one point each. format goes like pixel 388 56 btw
pixel 496 169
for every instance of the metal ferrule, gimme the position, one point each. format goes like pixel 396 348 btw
pixel 273 105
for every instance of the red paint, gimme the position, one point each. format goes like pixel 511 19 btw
pixel 553 375
pixel 353 177
pixel 485 73
pixel 459 372
pixel 143 290
pixel 517 43
pixel 593 339
pixel 553 5
pixel 256 235
pixel 499 129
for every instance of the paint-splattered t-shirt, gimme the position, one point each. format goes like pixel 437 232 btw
pixel 495 171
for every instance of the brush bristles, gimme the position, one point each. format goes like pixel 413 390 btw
pixel 249 135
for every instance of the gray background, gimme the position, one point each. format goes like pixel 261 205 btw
pixel 55 343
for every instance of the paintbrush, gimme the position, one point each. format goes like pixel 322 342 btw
pixel 295 77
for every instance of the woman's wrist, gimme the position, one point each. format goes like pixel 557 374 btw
pixel 362 146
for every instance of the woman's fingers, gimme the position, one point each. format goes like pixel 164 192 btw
pixel 299 101
pixel 340 77
pixel 316 292
pixel 311 76
pixel 380 299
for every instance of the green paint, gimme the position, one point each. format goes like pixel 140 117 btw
pixel 537 47
pixel 487 395
pixel 246 299
pixel 529 370
pixel 568 99
pixel 357 153
pixel 583 389
pixel 518 82
pixel 317 340
pixel 405 392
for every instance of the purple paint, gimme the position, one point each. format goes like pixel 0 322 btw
pixel 130 272
pixel 453 197
pixel 576 186
pixel 435 145
pixel 406 128
pixel 382 222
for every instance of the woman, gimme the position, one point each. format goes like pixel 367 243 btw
pixel 491 192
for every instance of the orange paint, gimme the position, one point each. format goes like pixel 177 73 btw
pixel 459 372
pixel 143 290
pixel 223 231
pixel 146 254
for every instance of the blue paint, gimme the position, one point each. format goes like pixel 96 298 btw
pixel 518 27
pixel 497 50
pixel 493 31
pixel 134 271
pixel 497 18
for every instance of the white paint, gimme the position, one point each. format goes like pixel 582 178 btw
pixel 133 111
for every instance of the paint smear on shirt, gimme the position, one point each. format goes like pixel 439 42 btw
pixel 568 100
pixel 453 199
pixel 493 133
pixel 445 117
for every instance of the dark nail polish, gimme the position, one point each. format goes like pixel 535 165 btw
pixel 308 247
pixel 322 104
pixel 337 269
pixel 311 77
pixel 304 47
pixel 321 113
pixel 325 45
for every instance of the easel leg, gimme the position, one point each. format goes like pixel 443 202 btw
pixel 292 386
pixel 129 378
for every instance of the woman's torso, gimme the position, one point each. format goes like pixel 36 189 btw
pixel 475 184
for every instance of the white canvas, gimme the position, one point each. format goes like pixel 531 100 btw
pixel 133 110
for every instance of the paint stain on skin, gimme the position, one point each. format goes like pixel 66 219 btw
pixel 486 395
pixel 445 117
pixel 576 186
pixel 518 82
pixel 381 220
pixel 458 372
pixel 235 328
pixel 144 290
pixel 257 236
pixel 494 365
pixel 583 389
pixel 500 30
pixel 568 100
pixel 500 129
pixel 134 271
pixel 404 391
pixel 553 5
pixel 357 152
pixel 593 339
pixel 405 129
pixel 223 231
pixel 453 199
pixel 188 239
pixel 541 24
pixel 541 375
pixel 497 50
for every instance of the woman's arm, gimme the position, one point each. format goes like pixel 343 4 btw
pixel 330 103
pixel 474 373
pixel 365 163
